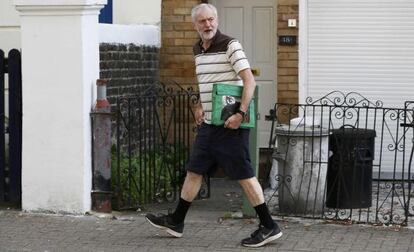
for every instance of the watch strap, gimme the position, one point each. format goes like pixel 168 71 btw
pixel 241 112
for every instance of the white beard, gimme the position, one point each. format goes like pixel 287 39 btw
pixel 207 35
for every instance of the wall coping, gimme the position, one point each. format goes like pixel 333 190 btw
pixel 130 34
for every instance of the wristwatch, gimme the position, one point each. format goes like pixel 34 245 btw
pixel 241 112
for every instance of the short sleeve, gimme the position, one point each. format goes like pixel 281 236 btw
pixel 237 57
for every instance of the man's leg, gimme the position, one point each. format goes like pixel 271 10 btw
pixel 268 229
pixel 253 190
pixel 255 196
pixel 174 223
pixel 191 186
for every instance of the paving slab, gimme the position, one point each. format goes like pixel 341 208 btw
pixel 206 229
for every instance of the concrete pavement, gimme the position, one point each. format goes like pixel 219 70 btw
pixel 206 229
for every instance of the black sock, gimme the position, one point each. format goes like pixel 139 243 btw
pixel 264 216
pixel 179 215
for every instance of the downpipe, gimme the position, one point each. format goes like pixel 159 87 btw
pixel 101 151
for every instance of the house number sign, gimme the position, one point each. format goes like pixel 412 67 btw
pixel 287 40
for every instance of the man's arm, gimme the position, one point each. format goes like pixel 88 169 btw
pixel 249 85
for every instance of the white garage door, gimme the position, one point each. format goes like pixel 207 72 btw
pixel 364 46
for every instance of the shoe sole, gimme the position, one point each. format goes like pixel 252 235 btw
pixel 168 230
pixel 266 241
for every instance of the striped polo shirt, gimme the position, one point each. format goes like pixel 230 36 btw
pixel 221 62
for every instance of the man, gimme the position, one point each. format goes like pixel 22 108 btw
pixel 220 58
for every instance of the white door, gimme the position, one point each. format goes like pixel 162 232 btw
pixel 252 23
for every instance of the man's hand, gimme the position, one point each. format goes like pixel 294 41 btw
pixel 234 121
pixel 199 115
pixel 249 84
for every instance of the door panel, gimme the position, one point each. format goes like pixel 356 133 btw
pixel 232 15
pixel 263 42
pixel 252 23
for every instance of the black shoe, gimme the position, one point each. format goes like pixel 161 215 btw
pixel 262 236
pixel 166 223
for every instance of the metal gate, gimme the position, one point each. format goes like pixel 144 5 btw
pixel 10 127
pixel 153 134
pixel 343 158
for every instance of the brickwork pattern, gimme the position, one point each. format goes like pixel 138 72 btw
pixel 287 56
pixel 129 69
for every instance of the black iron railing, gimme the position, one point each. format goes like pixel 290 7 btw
pixel 342 157
pixel 10 128
pixel 153 135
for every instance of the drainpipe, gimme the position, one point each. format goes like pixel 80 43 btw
pixel 101 151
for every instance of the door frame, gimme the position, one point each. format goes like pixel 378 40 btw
pixel 303 52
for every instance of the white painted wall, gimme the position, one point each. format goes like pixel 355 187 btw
pixel 60 65
pixel 137 12
pixel 9 16
pixel 9 26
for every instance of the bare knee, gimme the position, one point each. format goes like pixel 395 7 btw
pixel 250 183
pixel 192 184
pixel 253 190
pixel 193 176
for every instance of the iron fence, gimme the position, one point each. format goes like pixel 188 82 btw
pixel 10 127
pixel 342 158
pixel 153 135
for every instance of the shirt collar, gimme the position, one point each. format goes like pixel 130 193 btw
pixel 213 41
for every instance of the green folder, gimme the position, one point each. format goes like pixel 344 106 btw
pixel 226 101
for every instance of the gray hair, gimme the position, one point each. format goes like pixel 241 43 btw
pixel 203 6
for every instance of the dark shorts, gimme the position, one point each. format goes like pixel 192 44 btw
pixel 216 146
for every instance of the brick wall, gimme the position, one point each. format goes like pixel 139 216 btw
pixel 129 69
pixel 287 56
pixel 177 39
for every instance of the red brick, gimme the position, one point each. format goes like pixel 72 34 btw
pixel 172 19
pixel 184 26
pixel 173 34
pixel 182 11
pixel 287 63
pixel 287 79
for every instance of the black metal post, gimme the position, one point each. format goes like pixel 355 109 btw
pixel 2 128
pixel 15 126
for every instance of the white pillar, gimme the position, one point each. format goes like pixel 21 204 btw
pixel 60 64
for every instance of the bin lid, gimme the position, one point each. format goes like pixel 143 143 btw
pixel 308 131
pixel 355 132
